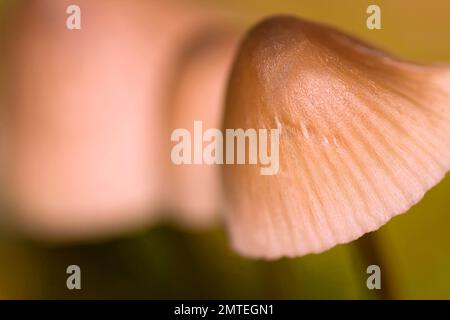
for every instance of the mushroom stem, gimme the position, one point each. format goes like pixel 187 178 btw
pixel 372 253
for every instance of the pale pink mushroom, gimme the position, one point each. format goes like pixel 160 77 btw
pixel 87 112
pixel 196 194
pixel 363 136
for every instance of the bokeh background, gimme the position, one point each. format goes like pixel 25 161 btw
pixel 163 261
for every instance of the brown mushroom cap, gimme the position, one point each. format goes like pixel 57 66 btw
pixel 363 136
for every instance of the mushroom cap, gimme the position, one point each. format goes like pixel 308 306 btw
pixel 363 136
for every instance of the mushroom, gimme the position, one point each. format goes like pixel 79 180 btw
pixel 87 113
pixel 196 195
pixel 363 136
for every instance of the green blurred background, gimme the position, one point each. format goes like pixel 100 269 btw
pixel 413 250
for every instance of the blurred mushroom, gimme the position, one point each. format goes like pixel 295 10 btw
pixel 87 112
pixel 196 193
